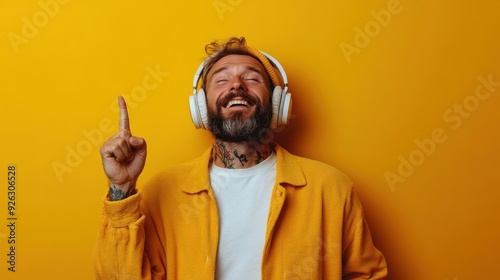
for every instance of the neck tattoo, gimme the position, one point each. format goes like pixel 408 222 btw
pixel 239 155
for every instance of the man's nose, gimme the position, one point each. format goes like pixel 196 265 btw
pixel 237 84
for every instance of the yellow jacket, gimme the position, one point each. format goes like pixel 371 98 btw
pixel 169 229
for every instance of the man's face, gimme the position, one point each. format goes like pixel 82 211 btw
pixel 238 98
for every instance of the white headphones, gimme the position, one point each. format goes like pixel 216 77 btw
pixel 281 100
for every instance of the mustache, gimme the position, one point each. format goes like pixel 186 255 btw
pixel 224 100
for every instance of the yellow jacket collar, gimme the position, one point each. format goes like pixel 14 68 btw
pixel 288 171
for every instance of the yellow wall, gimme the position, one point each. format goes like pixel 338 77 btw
pixel 394 93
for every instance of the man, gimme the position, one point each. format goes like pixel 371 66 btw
pixel 246 209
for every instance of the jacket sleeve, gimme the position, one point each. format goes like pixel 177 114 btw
pixel 119 252
pixel 360 258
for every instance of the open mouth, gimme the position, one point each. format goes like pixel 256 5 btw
pixel 239 103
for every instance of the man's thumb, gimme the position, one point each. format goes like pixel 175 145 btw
pixel 137 143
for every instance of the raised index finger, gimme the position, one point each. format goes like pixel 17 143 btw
pixel 124 121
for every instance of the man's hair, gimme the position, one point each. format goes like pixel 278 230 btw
pixel 234 45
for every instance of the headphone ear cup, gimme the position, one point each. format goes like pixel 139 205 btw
pixel 281 107
pixel 202 105
pixel 198 108
pixel 276 106
pixel 286 108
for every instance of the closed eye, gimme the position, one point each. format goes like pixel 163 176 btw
pixel 253 78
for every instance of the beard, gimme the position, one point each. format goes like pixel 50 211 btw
pixel 237 129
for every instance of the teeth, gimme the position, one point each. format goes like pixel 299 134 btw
pixel 236 102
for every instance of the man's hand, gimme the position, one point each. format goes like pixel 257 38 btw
pixel 123 157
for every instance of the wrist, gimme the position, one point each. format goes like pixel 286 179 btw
pixel 120 191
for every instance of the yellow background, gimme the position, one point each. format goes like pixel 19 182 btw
pixel 362 111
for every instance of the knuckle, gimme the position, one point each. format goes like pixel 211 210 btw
pixel 121 143
pixel 124 133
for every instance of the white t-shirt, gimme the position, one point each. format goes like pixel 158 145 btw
pixel 243 197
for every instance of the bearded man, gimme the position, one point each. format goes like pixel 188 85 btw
pixel 246 208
